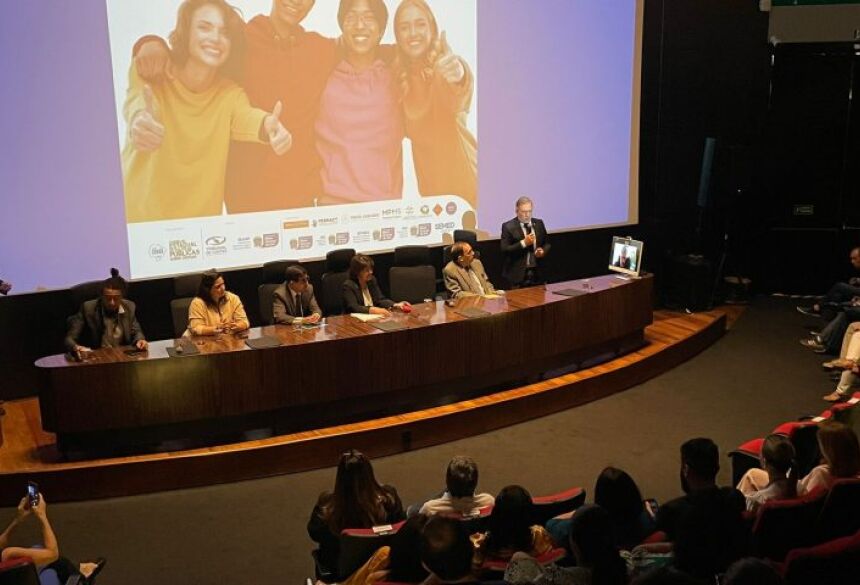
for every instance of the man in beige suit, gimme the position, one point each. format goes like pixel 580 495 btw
pixel 464 275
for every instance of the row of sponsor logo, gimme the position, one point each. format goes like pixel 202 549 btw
pixel 183 249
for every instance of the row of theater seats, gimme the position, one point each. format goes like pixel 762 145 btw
pixel 412 278
pixel 357 545
pixel 824 520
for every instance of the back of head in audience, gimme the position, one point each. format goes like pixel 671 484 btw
pixel 510 522
pixel 461 478
pixel 404 561
pixel 700 463
pixel 358 500
pixel 446 550
pixel 840 448
pixel 618 494
pixel 751 571
pixel 711 534
pixel 778 459
pixel 593 544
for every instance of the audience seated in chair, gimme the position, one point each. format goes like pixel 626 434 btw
pixel 398 563
pixel 510 529
pixel 358 501
pixel 840 453
pixel 461 479
pixel 700 463
pixel 838 293
pixel 52 567
pixel 592 540
pixel 617 493
pixel 848 362
pixel 777 479
pixel 447 552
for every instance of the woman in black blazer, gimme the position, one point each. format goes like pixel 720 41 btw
pixel 361 293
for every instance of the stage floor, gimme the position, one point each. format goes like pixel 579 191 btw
pixel 29 453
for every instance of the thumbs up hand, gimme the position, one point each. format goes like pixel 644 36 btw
pixel 280 138
pixel 147 133
pixel 448 65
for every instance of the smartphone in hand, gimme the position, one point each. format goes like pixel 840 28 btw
pixel 33 497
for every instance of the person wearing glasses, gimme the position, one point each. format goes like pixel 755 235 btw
pixel 294 302
pixel 215 309
pixel 465 275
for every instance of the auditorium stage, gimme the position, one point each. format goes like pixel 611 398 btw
pixel 29 453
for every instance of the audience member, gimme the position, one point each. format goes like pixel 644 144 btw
pixel 840 452
pixel 446 551
pixel 108 321
pixel 465 275
pixel 361 292
pixel 700 463
pixel 849 357
pixel 777 479
pixel 592 540
pixel 840 292
pixel 751 571
pixel 617 493
pixel 840 307
pixel 358 501
pixel 53 569
pixel 294 303
pixel 510 528
pixel 461 479
pixel 215 309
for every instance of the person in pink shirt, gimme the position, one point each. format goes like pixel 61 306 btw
pixel 360 127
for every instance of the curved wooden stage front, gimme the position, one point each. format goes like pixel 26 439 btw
pixel 29 453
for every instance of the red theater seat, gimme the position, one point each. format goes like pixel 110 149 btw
pixel 781 525
pixel 836 562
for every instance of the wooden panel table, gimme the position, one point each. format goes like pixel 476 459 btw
pixel 345 370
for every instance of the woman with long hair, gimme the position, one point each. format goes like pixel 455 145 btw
pixel 840 452
pixel 179 131
pixel 436 90
pixel 358 501
pixel 510 528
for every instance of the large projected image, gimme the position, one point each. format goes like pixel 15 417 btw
pixel 256 130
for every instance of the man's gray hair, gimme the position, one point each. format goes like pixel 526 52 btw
pixel 522 201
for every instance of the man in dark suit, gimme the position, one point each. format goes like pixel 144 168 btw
pixel 524 245
pixel 108 321
pixel 294 302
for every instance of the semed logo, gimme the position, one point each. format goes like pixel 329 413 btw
pixel 157 252
pixel 216 240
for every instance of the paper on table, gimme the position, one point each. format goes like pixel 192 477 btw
pixel 492 296
pixel 365 317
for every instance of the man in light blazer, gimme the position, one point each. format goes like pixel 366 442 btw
pixel 464 275
pixel 524 246
pixel 293 302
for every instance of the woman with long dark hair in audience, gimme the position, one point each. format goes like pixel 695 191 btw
pixel 215 309
pixel 840 452
pixel 358 501
pixel 778 479
pixel 510 528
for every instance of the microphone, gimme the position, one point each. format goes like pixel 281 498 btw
pixel 528 228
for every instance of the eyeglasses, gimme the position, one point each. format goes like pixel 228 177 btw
pixel 366 19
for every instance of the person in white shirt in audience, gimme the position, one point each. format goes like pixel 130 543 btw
pixel 840 451
pixel 294 302
pixel 464 274
pixel 778 478
pixel 461 479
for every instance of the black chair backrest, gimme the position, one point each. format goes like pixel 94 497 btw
pixel 840 514
pixel 412 256
pixel 186 285
pixel 331 292
pixel 179 314
pixel 273 272
pixel 412 283
pixel 86 291
pixel 338 260
pixel 264 296
pixel 466 236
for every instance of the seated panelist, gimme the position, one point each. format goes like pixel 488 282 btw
pixel 108 321
pixel 361 293
pixel 215 309
pixel 465 275
pixel 294 302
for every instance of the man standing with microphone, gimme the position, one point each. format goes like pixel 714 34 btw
pixel 524 245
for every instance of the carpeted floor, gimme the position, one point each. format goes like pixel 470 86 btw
pixel 253 532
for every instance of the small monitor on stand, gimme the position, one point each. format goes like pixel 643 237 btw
pixel 625 257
